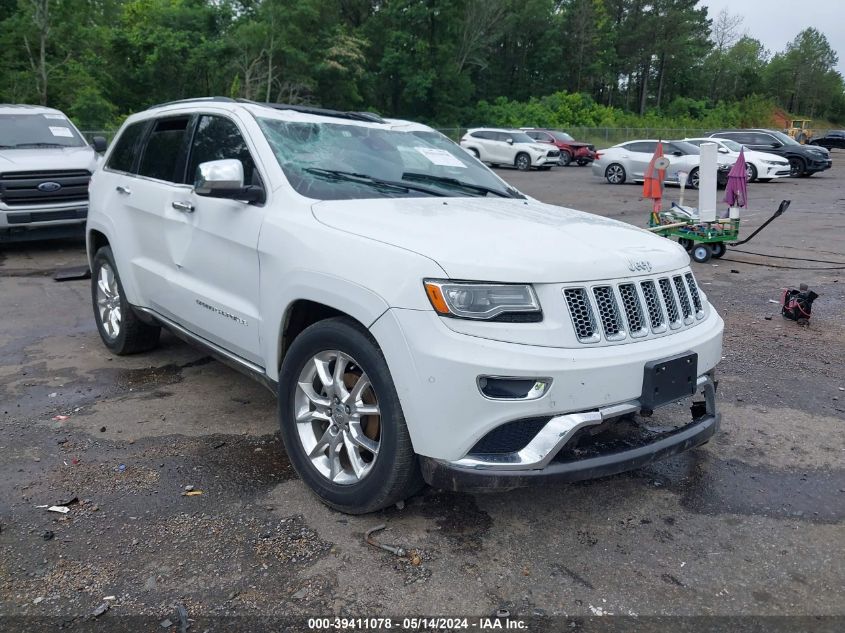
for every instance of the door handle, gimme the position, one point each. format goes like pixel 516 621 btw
pixel 184 207
pixel 124 190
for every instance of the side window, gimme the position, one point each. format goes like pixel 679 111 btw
pixel 125 149
pixel 164 148
pixel 645 147
pixel 763 139
pixel 502 136
pixel 216 138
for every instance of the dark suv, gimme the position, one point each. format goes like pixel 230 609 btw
pixel 804 160
pixel 570 149
pixel 834 138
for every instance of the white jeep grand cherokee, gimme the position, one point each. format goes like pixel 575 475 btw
pixel 418 318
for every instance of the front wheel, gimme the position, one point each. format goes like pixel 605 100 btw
pixel 615 174
pixel 523 162
pixel 717 249
pixel 750 172
pixel 796 166
pixel 341 420
pixel 701 253
pixel 565 157
pixel 120 328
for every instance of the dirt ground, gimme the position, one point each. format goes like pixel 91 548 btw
pixel 749 525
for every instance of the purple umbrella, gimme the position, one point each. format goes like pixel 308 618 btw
pixel 736 191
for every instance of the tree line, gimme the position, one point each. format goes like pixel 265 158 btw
pixel 439 61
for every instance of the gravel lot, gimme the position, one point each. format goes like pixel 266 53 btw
pixel 750 524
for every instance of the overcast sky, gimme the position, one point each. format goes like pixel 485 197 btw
pixel 776 22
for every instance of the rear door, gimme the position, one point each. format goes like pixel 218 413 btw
pixel 214 282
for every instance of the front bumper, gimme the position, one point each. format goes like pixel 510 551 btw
pixel 533 464
pixel 818 164
pixel 46 220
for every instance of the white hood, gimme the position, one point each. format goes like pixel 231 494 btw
pixel 507 240
pixel 48 159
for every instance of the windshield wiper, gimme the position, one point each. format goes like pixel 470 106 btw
pixel 365 179
pixel 40 145
pixel 454 182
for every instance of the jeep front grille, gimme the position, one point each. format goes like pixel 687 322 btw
pixel 22 188
pixel 633 309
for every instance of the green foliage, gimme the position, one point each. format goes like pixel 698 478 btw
pixel 609 63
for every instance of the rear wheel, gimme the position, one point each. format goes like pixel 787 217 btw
pixel 565 157
pixel 686 243
pixel 522 162
pixel 582 162
pixel 701 253
pixel 717 249
pixel 615 174
pixel 120 328
pixel 341 420
pixel 692 179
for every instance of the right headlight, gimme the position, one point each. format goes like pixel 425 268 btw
pixel 484 301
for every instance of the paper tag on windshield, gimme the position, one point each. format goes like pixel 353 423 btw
pixel 61 131
pixel 55 117
pixel 440 157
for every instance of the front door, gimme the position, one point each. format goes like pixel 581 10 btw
pixel 214 247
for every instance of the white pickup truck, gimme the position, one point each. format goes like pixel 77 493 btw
pixel 45 166
pixel 419 318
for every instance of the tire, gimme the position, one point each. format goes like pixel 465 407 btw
pixel 522 161
pixel 806 174
pixel 764 180
pixel 582 162
pixel 375 479
pixel 615 174
pixel 750 172
pixel 701 253
pixel 797 166
pixel 120 328
pixel 686 243
pixel 475 153
pixel 565 157
pixel 717 249
pixel 692 179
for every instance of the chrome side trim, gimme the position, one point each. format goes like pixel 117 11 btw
pixel 234 361
pixel 560 429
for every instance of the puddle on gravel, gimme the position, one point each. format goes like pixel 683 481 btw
pixel 457 516
pixel 147 377
pixel 714 487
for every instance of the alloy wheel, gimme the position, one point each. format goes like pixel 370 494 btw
pixel 615 174
pixel 337 417
pixel 108 301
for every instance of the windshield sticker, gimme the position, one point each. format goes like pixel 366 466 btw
pixel 61 131
pixel 440 157
pixel 55 117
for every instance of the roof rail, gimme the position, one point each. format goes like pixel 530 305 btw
pixel 369 117
pixel 193 100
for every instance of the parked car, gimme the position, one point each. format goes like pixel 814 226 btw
pixel 570 149
pixel 627 162
pixel 758 165
pixel 45 165
pixel 804 160
pixel 831 140
pixel 509 147
pixel 418 318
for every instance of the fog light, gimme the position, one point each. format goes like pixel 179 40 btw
pixel 513 387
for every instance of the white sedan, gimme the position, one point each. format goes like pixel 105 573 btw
pixel 760 166
pixel 627 162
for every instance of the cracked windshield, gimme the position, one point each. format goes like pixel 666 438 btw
pixel 329 161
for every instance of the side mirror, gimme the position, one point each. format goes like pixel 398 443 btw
pixel 509 141
pixel 99 144
pixel 677 152
pixel 225 179
pixel 723 150
pixel 775 145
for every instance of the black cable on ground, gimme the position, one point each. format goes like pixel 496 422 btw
pixel 800 259
pixel 736 261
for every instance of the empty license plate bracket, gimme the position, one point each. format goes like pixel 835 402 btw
pixel 669 379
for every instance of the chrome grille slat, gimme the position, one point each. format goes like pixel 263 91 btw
pixel 582 314
pixel 655 311
pixel 696 298
pixel 683 297
pixel 633 309
pixel 670 302
pixel 608 313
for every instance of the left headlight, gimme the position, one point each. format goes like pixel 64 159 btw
pixel 484 301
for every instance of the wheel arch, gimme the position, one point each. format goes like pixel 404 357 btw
pixel 95 240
